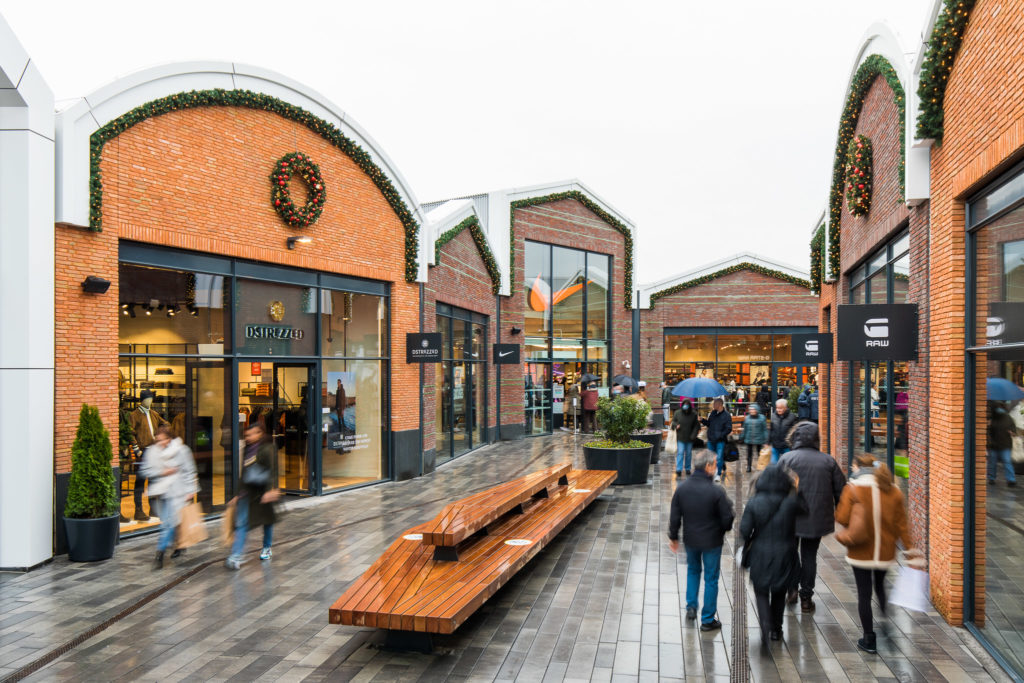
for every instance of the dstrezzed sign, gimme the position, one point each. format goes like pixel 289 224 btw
pixel 273 332
pixel 878 332
pixel 811 349
pixel 423 347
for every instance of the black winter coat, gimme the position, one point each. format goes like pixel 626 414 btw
pixel 803 405
pixel 770 516
pixel 686 425
pixel 261 514
pixel 821 483
pixel 703 509
pixel 779 428
pixel 719 425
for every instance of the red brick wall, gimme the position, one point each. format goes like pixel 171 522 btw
pixel 459 279
pixel 567 223
pixel 740 299
pixel 199 180
pixel 984 132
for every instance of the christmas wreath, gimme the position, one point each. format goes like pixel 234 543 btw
pixel 286 167
pixel 858 176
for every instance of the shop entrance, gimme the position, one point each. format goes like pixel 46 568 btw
pixel 278 396
pixel 789 376
pixel 538 398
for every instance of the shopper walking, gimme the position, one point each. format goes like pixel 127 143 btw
pixel 755 432
pixel 687 426
pixel 803 404
pixel 719 423
pixel 589 409
pixel 171 470
pixel 873 512
pixel 666 401
pixel 1001 430
pixel 821 485
pixel 764 398
pixel 706 514
pixel 778 430
pixel 768 530
pixel 254 505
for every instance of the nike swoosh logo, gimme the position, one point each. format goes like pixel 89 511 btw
pixel 507 353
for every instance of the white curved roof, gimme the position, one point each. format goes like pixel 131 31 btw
pixel 79 121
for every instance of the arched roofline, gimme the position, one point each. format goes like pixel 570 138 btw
pixel 76 124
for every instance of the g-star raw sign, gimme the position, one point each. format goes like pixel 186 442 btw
pixel 273 332
pixel 1004 325
pixel 506 354
pixel 811 349
pixel 423 347
pixel 878 332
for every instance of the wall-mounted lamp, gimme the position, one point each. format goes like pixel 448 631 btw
pixel 95 285
pixel 298 239
pixel 514 331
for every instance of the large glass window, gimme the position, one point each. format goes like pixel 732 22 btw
pixel 996 453
pixel 353 325
pixel 274 319
pixel 567 325
pixel 352 430
pixel 460 382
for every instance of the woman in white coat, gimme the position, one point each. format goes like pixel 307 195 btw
pixel 171 470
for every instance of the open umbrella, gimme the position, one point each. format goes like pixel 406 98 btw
pixel 588 377
pixel 625 381
pixel 999 389
pixel 699 387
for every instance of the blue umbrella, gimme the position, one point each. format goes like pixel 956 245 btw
pixel 699 387
pixel 1000 389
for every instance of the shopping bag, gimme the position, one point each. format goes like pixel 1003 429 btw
pixel 192 530
pixel 911 590
pixel 670 441
pixel 764 458
pixel 227 524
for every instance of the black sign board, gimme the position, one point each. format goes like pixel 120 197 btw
pixel 423 348
pixel 506 354
pixel 811 349
pixel 1004 325
pixel 878 332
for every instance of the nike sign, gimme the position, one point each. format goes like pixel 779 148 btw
pixel 507 353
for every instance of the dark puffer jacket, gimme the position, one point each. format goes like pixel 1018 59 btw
pixel 821 481
pixel 770 516
pixel 719 425
pixel 779 427
pixel 704 511
pixel 686 423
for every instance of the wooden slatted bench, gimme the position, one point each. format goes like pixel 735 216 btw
pixel 433 577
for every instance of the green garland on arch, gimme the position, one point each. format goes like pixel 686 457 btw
pixel 943 46
pixel 859 175
pixel 746 265
pixel 818 258
pixel 473 225
pixel 251 100
pixel 871 68
pixel 593 206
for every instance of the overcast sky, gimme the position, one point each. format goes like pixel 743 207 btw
pixel 710 125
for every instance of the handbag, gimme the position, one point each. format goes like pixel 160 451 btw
pixel 227 524
pixel 256 475
pixel 671 445
pixel 192 529
pixel 731 452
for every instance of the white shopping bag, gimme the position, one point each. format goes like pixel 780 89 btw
pixel 911 590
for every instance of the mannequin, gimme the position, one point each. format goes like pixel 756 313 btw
pixel 144 420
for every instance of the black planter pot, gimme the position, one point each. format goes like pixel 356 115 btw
pixel 655 441
pixel 632 464
pixel 91 540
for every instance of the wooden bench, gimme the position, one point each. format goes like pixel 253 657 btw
pixel 434 576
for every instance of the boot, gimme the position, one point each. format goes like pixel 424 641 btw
pixel 178 552
pixel 807 606
pixel 140 515
pixel 868 644
pixel 158 563
pixel 791 597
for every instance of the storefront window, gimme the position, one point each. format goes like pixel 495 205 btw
pixel 274 319
pixel 745 348
pixel 352 431
pixel 689 348
pixel 460 383
pixel 353 325
pixel 568 281
pixel 996 346
pixel 537 289
pixel 598 270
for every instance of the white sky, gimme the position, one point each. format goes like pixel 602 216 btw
pixel 710 125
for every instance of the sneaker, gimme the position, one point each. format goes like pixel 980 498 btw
pixel 266 554
pixel 687 472
pixel 776 634
pixel 718 478
pixel 868 644
pixel 712 625
pixel 178 552
pixel 679 473
pixel 691 613
pixel 233 563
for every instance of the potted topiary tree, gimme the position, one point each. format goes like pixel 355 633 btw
pixel 91 511
pixel 617 449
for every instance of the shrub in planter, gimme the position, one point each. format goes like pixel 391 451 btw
pixel 619 419
pixel 91 511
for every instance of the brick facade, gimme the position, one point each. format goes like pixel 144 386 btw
pixel 198 180
pixel 741 299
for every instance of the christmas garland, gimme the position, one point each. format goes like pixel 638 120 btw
pixel 746 265
pixel 873 66
pixel 259 101
pixel 947 36
pixel 593 206
pixel 473 225
pixel 281 195
pixel 859 176
pixel 818 258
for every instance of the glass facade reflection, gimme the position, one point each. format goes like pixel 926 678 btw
pixel 460 382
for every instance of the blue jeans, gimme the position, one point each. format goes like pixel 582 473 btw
pixel 684 451
pixel 712 560
pixel 242 527
pixel 166 528
pixel 719 448
pixel 778 453
pixel 1001 456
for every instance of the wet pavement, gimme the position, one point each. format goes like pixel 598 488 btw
pixel 604 601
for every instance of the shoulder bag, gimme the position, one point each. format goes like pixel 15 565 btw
pixel 743 554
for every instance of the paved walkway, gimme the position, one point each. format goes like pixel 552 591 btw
pixel 602 602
